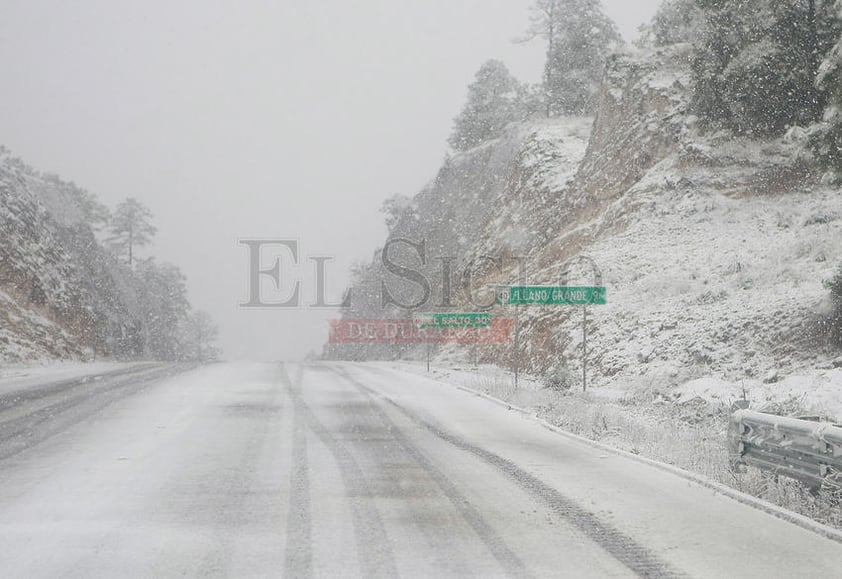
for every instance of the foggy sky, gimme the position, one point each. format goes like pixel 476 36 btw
pixel 261 118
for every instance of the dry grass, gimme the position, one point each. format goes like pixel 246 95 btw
pixel 690 437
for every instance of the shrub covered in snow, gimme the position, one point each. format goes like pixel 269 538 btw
pixel 835 320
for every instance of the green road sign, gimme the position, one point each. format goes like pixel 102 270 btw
pixel 551 296
pixel 455 320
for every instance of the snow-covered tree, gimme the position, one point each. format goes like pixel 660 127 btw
pixel 756 63
pixel 833 323
pixel 164 309
pixel 396 208
pixel 84 207
pixel 494 101
pixel 676 21
pixel 579 38
pixel 198 336
pixel 130 227
pixel 826 137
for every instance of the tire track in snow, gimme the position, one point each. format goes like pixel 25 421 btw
pixel 373 547
pixel 502 553
pixel 298 560
pixel 623 548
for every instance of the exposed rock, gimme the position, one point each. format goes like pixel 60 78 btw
pixel 772 376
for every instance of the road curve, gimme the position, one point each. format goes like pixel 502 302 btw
pixel 339 470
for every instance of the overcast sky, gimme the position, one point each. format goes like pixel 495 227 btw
pixel 257 118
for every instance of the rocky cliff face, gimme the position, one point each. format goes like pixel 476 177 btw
pixel 713 249
pixel 41 309
pixel 641 120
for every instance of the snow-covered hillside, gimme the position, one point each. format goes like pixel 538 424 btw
pixel 42 311
pixel 62 294
pixel 714 249
pixel 714 259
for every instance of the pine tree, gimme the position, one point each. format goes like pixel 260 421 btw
pixel 396 208
pixel 834 321
pixel 756 63
pixel 164 309
pixel 826 137
pixel 130 227
pixel 579 39
pixel 676 21
pixel 198 336
pixel 494 101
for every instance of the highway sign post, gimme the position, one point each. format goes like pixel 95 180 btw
pixel 554 296
pixel 501 295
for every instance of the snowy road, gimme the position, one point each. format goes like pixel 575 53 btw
pixel 249 470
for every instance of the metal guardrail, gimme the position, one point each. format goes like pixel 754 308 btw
pixel 808 451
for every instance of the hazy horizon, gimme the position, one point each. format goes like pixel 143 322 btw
pixel 260 120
